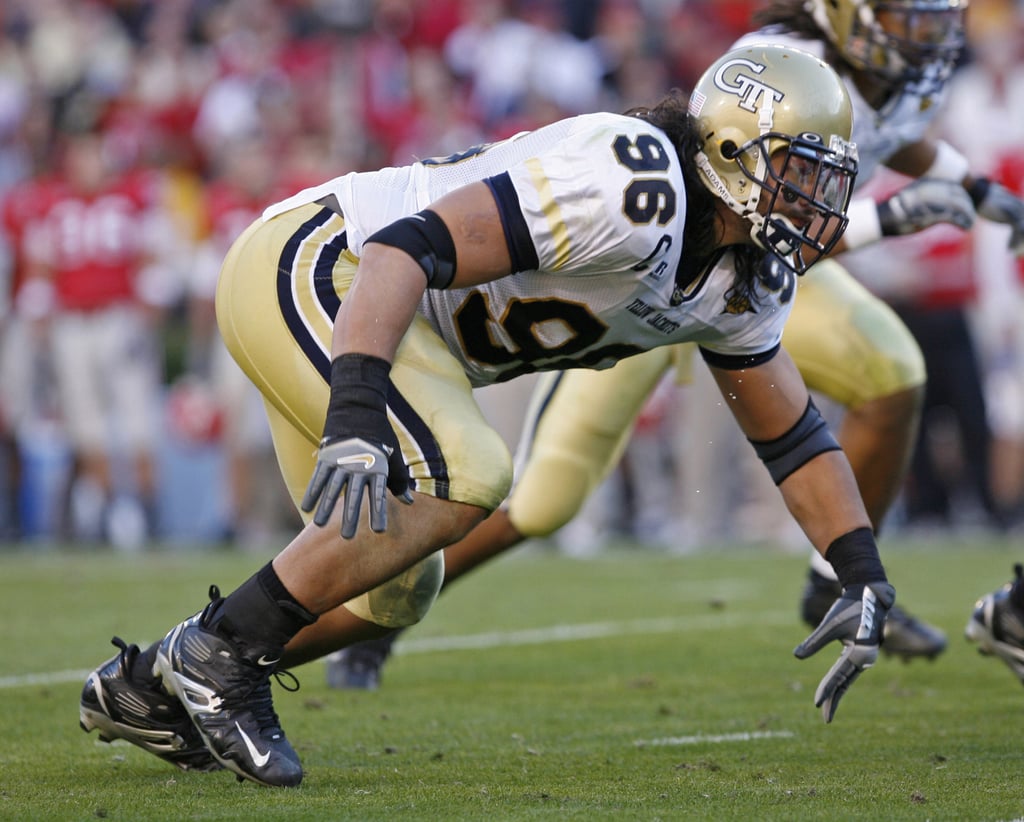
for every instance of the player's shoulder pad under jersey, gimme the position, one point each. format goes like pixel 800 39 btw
pixel 604 194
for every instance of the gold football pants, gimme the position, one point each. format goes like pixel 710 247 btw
pixel 280 287
pixel 847 343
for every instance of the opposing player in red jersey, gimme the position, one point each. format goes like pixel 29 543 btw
pixel 87 240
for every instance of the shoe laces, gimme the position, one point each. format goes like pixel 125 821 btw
pixel 259 699
pixel 251 685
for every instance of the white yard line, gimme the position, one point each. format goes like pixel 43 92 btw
pixel 501 639
pixel 591 630
pixel 702 739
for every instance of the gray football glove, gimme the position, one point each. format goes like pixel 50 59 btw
pixel 353 466
pixel 856 619
pixel 997 203
pixel 359 450
pixel 924 203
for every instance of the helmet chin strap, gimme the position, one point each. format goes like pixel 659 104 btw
pixel 722 190
pixel 765 120
pixel 748 210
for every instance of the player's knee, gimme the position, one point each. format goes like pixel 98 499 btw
pixel 550 494
pixel 896 368
pixel 911 369
pixel 405 599
pixel 482 473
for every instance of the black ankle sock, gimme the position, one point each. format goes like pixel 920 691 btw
pixel 262 612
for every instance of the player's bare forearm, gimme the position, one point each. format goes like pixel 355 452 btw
pixel 768 402
pixel 822 496
pixel 913 159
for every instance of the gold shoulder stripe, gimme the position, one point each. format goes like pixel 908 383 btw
pixel 556 223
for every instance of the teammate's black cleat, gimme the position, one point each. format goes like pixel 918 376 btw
pixel 997 624
pixel 225 688
pixel 358 666
pixel 904 636
pixel 120 707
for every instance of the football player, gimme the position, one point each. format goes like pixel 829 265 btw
pixel 895 58
pixel 87 252
pixel 367 308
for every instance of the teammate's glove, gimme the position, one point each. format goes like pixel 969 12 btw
pixel 997 203
pixel 359 450
pixel 924 203
pixel 856 619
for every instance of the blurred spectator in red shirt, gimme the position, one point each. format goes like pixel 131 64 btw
pixel 86 246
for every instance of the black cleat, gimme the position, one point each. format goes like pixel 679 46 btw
pixel 905 636
pixel 358 666
pixel 121 707
pixel 225 688
pixel 997 624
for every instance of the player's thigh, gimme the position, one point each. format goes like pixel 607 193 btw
pixel 577 426
pixel 280 286
pixel 847 343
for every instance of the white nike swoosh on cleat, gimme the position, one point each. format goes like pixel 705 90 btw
pixel 259 759
pixel 264 661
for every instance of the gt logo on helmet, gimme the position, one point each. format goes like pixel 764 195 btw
pixel 747 88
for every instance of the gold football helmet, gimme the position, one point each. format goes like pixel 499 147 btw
pixel 774 125
pixel 901 42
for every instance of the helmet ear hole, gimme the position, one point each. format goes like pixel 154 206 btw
pixel 729 149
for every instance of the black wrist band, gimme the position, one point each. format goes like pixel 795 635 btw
pixel 978 190
pixel 854 556
pixel 357 380
pixel 888 221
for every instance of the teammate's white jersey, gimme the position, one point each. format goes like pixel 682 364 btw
pixel 878 133
pixel 593 209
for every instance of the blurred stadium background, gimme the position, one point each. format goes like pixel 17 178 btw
pixel 211 109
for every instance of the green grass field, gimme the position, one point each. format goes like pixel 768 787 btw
pixel 631 686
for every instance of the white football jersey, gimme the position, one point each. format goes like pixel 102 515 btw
pixel 878 133
pixel 594 208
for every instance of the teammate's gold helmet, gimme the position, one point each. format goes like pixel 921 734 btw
pixel 774 125
pixel 899 41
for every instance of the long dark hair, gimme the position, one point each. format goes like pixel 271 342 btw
pixel 793 17
pixel 702 230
